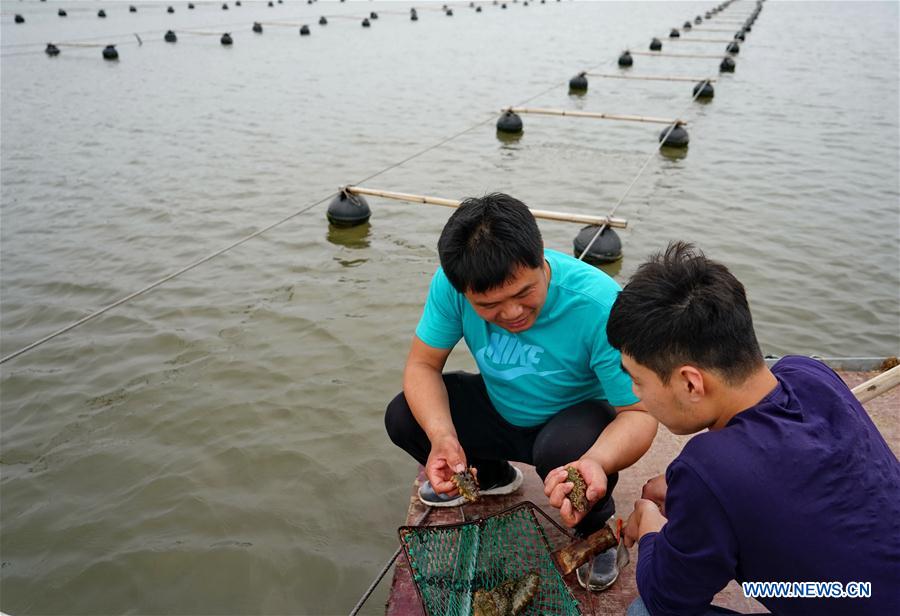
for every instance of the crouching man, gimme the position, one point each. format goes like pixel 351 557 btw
pixel 549 389
pixel 789 480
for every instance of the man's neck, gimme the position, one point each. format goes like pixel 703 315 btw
pixel 733 400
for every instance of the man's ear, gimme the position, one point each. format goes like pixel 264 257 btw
pixel 691 382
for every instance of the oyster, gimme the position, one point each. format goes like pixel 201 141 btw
pixel 578 495
pixel 466 484
pixel 507 599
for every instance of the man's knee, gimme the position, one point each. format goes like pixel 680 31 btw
pixel 399 420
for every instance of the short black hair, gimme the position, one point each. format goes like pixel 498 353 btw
pixel 680 307
pixel 486 240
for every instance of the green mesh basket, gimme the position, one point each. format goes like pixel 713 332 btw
pixel 450 562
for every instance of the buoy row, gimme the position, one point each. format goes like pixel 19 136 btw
pixel 20 19
pixel 226 39
pixel 600 244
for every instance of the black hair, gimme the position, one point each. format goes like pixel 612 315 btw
pixel 680 307
pixel 486 240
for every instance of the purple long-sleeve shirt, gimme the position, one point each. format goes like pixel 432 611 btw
pixel 800 487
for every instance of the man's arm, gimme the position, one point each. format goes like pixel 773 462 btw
pixel 625 439
pixel 423 386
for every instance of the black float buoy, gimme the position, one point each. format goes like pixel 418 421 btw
pixel 365 23
pixel 477 9
pixel 225 6
pixel 348 210
pixel 674 33
pixel 101 13
pixel 503 6
pixel 132 9
pixel 625 59
pixel 676 137
pixel 413 17
pixel 739 36
pixel 171 9
pixel 61 13
pixel 19 19
pixel 52 50
pixel 704 89
pixel 191 5
pixel 698 20
pixel 280 2
pixel 237 2
pixel 304 30
pixel 687 25
pixel 170 37
pixel 733 47
pixel 323 21
pixel 471 5
pixel 373 15
pixel 607 248
pixel 509 122
pixel 226 39
pixel 271 3
pixel 449 13
pixel 727 65
pixel 655 44
pixel 579 82
pixel 747 27
pixel 110 53
pixel 707 14
pixel 257 27
pixel 308 1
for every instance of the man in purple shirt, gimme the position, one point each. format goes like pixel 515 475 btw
pixel 789 481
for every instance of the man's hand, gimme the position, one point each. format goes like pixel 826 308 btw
pixel 557 488
pixel 655 490
pixel 646 518
pixel 446 457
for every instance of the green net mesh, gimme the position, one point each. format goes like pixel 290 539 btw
pixel 449 563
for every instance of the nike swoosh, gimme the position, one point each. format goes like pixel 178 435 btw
pixel 510 373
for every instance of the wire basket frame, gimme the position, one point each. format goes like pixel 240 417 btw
pixel 450 562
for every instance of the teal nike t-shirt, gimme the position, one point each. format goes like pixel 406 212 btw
pixel 563 359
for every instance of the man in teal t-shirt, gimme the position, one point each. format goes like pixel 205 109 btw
pixel 551 390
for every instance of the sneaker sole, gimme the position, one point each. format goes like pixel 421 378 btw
pixel 598 587
pixel 509 488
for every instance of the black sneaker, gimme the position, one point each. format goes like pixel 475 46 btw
pixel 431 498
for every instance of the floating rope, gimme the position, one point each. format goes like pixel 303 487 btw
pixel 384 569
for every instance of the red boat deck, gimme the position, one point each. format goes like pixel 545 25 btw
pixel 403 600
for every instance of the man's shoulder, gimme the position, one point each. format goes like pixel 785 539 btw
pixel 579 282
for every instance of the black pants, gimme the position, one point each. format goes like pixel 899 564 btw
pixel 490 441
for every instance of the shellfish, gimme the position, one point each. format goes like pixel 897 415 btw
pixel 509 598
pixel 578 495
pixel 466 484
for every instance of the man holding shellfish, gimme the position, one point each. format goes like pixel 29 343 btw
pixel 550 389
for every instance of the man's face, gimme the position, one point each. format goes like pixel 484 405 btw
pixel 516 304
pixel 669 402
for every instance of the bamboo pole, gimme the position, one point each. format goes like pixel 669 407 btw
pixel 594 114
pixel 878 385
pixel 692 40
pixel 676 55
pixel 652 78
pixel 619 223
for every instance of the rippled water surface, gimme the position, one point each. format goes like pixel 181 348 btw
pixel 216 446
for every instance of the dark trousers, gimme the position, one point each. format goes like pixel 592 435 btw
pixel 490 441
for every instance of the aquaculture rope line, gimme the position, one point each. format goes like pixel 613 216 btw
pixel 385 569
pixel 278 223
pixel 659 146
pixel 247 238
